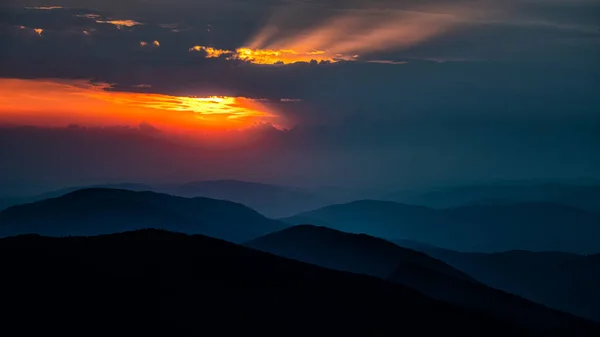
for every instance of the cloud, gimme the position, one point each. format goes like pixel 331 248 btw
pixel 269 56
pixel 447 91
pixel 90 16
pixel 387 62
pixel 45 7
pixel 361 32
pixel 121 23
pixel 343 35
pixel 61 102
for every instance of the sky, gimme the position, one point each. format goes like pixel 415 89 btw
pixel 398 94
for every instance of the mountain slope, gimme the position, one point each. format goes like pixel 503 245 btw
pixel 270 200
pixel 6 202
pixel 372 256
pixel 580 196
pixel 485 228
pixel 103 211
pixel 173 284
pixel 347 252
pixel 562 281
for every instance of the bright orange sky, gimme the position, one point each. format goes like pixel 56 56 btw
pixel 63 102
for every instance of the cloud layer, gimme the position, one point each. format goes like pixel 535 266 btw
pixel 408 91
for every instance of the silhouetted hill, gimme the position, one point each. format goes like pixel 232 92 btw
pixel 581 196
pixel 364 254
pixel 154 282
pixel 101 211
pixel 485 228
pixel 6 202
pixel 563 281
pixel 270 200
pixel 356 253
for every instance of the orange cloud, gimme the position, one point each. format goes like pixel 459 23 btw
pixel 121 23
pixel 38 31
pixel 346 36
pixel 154 43
pixel 63 102
pixel 269 56
pixel 211 52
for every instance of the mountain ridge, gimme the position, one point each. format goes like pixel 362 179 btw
pixel 531 226
pixel 148 273
pixel 100 211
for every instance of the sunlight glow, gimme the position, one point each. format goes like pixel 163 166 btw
pixel 269 56
pixel 121 23
pixel 63 102
pixel 345 36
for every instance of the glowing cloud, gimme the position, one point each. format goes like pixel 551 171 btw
pixel 63 102
pixel 38 31
pixel 346 36
pixel 269 56
pixel 121 23
pixel 145 44
pixel 211 52
pixel 363 33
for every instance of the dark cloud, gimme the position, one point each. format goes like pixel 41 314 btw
pixel 508 92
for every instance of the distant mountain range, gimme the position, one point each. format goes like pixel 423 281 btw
pixel 576 195
pixel 567 282
pixel 280 201
pixel 102 211
pixel 156 282
pixel 484 228
pixel 6 202
pixel 364 254
pixel 270 200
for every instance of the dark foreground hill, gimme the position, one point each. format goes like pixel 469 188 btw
pixel 368 255
pixel 483 228
pixel 567 282
pixel 103 211
pixel 159 283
